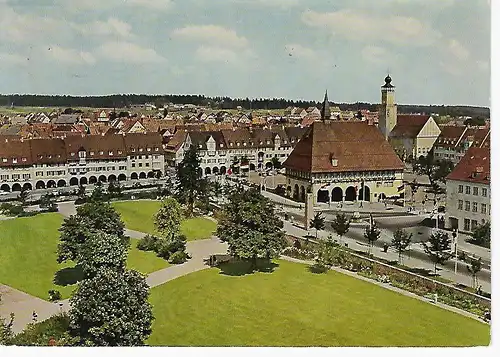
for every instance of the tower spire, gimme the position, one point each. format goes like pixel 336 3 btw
pixel 325 110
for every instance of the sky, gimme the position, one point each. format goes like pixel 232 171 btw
pixel 437 51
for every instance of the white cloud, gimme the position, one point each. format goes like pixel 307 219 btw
pixel 112 26
pixel 16 27
pixel 458 50
pixel 284 4
pixel 157 5
pixel 70 56
pixel 152 4
pixel 299 51
pixel 216 54
pixel 375 54
pixel 483 65
pixel 212 35
pixel 127 52
pixel 357 26
pixel 12 58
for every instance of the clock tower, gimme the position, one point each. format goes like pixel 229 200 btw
pixel 388 110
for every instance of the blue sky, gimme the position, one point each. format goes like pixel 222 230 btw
pixel 437 51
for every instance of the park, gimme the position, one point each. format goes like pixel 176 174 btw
pixel 282 304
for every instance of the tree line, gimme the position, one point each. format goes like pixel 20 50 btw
pixel 125 100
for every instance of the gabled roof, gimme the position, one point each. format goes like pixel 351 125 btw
pixel 356 146
pixel 450 135
pixel 473 167
pixel 409 125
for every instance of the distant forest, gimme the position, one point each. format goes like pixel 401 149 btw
pixel 125 100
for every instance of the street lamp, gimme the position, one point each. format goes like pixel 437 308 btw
pixel 455 241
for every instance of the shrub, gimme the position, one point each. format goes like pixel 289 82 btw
pixel 148 243
pixel 54 295
pixel 10 209
pixel 167 247
pixel 53 331
pixel 178 257
pixel 28 214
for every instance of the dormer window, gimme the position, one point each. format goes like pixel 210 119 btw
pixel 221 145
pixel 200 146
pixel 24 159
pixel 50 156
pixel 119 152
pixel 334 161
pixel 157 149
pixel 14 161
pixel 91 153
pixel 149 149
pixel 4 160
pixel 72 154
pixel 111 153
pixel 244 144
pixel 133 150
pixel 140 149
pixel 268 142
pixel 58 156
pixel 238 143
pixel 101 152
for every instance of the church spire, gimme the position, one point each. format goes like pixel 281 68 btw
pixel 325 110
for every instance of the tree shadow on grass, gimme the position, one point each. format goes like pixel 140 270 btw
pixel 68 276
pixel 317 269
pixel 244 267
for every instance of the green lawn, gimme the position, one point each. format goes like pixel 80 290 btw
pixel 139 216
pixel 28 251
pixel 294 307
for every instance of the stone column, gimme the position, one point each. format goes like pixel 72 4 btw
pixel 309 210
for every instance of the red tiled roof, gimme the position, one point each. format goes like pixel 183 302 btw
pixel 15 153
pixel 473 167
pixel 409 125
pixel 356 146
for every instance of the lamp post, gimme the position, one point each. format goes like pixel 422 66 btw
pixel 455 240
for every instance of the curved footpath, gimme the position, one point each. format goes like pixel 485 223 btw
pixel 23 305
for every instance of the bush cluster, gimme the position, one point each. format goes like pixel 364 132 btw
pixel 171 249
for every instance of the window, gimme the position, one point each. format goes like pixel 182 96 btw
pixel 467 190
pixel 14 161
pixel 4 177
pixel 39 173
pixel 466 224
pixel 26 176
pixel 460 188
pixel 23 159
pixel 460 205
pixel 485 192
pixel 15 176
pixel 474 206
pixel 133 164
pixel 483 208
pixel 467 205
pixel 140 164
pixel 147 164
pixel 475 191
pixel 473 224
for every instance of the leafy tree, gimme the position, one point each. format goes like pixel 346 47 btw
pixel 91 217
pixel 81 192
pixel 341 225
pixel 438 248
pixel 444 168
pixel 23 196
pixel 47 202
pixel 318 222
pixel 276 163
pixel 191 184
pixel 250 226
pixel 481 235
pixel 216 190
pixel 474 268
pixel 426 166
pixel 114 188
pixel 98 193
pixel 400 241
pixel 111 309
pixel 102 251
pixel 235 165
pixel 169 217
pixel 372 233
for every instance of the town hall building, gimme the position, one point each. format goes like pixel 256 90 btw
pixel 343 161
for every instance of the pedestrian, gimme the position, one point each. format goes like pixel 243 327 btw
pixel 35 316
pixel 435 298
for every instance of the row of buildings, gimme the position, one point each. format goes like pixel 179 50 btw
pixel 79 160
